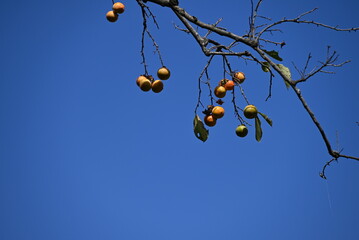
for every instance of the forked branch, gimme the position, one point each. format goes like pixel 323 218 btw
pixel 259 55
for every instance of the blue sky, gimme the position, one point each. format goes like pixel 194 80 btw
pixel 84 154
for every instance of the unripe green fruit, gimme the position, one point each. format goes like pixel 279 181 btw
pixel 241 131
pixel 250 111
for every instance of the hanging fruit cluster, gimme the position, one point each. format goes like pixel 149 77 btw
pixel 117 8
pixel 213 113
pixel 147 82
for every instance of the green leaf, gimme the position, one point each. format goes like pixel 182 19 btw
pixel 258 130
pixel 286 72
pixel 265 66
pixel 274 54
pixel 199 130
pixel 268 120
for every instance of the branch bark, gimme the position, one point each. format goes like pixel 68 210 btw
pixel 252 40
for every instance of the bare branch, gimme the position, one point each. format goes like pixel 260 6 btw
pixel 143 36
pixel 204 71
pixel 157 48
pixel 146 12
pixel 315 121
pixel 209 31
pixel 201 41
pixel 297 20
pixel 253 17
pixel 220 31
pixel 306 64
pixel 181 29
pixel 329 62
pixel 270 85
pixel 322 173
pixel 251 40
pixel 272 42
pixel 349 157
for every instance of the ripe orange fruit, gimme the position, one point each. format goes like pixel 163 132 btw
pixel 145 85
pixel 250 111
pixel 163 73
pixel 111 16
pixel 118 7
pixel 210 121
pixel 239 77
pixel 220 91
pixel 157 86
pixel 229 85
pixel 241 131
pixel 218 112
pixel 139 79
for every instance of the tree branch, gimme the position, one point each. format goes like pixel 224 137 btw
pixel 297 20
pixel 329 62
pixel 251 40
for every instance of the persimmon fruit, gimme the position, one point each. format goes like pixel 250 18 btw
pixel 241 131
pixel 118 7
pixel 229 85
pixel 218 112
pixel 157 86
pixel 210 121
pixel 250 111
pixel 220 91
pixel 239 77
pixel 163 73
pixel 140 79
pixel 145 85
pixel 111 16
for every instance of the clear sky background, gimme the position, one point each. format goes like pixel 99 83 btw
pixel 84 154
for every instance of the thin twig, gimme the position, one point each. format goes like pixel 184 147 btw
pixel 253 43
pixel 199 83
pixel 297 20
pixel 329 62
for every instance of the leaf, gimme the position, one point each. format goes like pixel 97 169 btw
pixel 258 129
pixel 268 120
pixel 286 72
pixel 199 130
pixel 265 66
pixel 274 54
